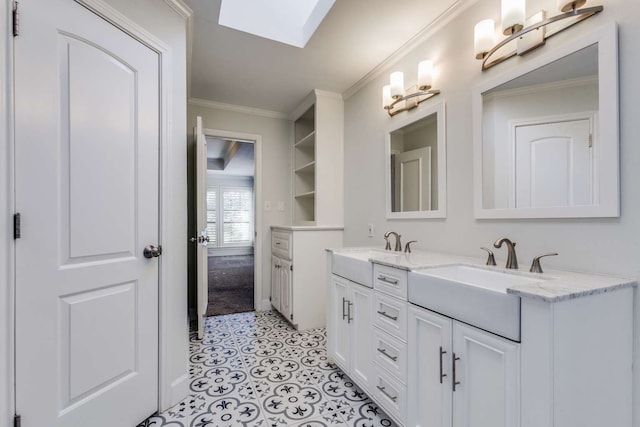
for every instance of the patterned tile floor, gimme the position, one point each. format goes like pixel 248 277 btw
pixel 254 369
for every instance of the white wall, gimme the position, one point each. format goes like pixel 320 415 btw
pixel 609 246
pixel 165 24
pixel 276 172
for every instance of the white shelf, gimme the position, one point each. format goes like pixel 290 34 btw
pixel 306 141
pixel 309 195
pixel 308 168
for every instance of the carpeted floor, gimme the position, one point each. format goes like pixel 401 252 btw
pixel 230 284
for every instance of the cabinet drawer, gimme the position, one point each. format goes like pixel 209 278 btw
pixel 390 353
pixel 389 393
pixel 390 315
pixel 389 280
pixel 281 244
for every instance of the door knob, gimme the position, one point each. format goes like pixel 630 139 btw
pixel 151 251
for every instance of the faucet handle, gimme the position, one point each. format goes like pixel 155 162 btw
pixel 535 265
pixel 387 247
pixel 407 247
pixel 491 260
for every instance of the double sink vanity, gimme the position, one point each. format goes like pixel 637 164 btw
pixel 444 340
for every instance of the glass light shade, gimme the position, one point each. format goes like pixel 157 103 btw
pixel 512 16
pixel 567 5
pixel 425 75
pixel 484 37
pixel 386 96
pixel 397 84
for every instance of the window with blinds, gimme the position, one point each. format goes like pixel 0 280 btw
pixel 230 216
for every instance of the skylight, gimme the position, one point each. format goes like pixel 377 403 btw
pixel 292 22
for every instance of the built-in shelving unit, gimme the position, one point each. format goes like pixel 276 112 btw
pixel 317 165
pixel 304 152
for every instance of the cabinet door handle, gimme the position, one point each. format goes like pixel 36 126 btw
pixel 387 280
pixel 455 383
pixel 384 353
pixel 344 311
pixel 442 353
pixel 349 318
pixel 384 313
pixel 382 390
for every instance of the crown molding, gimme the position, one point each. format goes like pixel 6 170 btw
pixel 543 87
pixel 427 32
pixel 237 108
pixel 180 7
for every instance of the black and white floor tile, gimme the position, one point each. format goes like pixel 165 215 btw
pixel 255 370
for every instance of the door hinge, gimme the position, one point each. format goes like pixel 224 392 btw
pixel 17 421
pixel 17 229
pixel 291 267
pixel 15 18
pixel 269 299
pixel 291 316
pixel 590 140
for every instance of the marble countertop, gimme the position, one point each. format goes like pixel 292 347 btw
pixel 553 286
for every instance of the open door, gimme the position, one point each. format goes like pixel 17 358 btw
pixel 202 238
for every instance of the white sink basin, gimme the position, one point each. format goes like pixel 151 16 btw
pixel 354 264
pixel 473 295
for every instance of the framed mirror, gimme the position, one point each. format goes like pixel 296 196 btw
pixel 546 134
pixel 416 166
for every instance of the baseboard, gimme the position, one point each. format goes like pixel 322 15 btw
pixel 265 306
pixel 179 391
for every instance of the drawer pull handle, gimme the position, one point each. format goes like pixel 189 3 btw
pixel 384 353
pixel 387 280
pixel 277 243
pixel 388 316
pixel 382 390
pixel 455 383
pixel 442 353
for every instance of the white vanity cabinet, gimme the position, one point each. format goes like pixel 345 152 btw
pixel 460 375
pixel 298 273
pixel 389 345
pixel 349 331
pixel 281 285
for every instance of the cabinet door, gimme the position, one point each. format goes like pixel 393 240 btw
pixel 286 289
pixel 339 333
pixel 360 319
pixel 429 381
pixel 487 369
pixel 275 283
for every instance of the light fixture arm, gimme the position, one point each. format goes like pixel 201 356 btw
pixel 427 94
pixel 581 14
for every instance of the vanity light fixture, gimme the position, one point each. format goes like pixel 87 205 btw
pixel 395 99
pixel 521 32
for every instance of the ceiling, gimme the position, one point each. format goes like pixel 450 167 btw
pixel 233 67
pixel 229 157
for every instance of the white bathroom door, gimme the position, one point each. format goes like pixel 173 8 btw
pixel 202 239
pixel 413 180
pixel 554 164
pixel 86 187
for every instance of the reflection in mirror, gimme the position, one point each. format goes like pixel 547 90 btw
pixel 538 136
pixel 548 138
pixel 415 167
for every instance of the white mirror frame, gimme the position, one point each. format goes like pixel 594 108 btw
pixel 606 37
pixel 425 110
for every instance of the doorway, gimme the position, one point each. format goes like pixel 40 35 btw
pixel 230 225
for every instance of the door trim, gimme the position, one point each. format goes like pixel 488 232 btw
pixel 258 304
pixel 169 392
pixel 7 207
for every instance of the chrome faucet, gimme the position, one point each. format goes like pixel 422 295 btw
pixel 512 260
pixel 398 247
